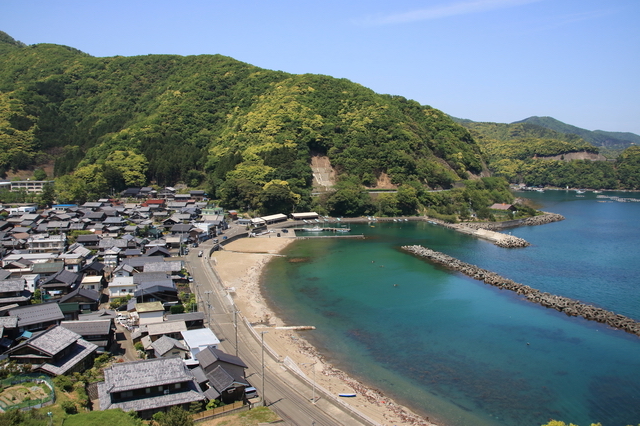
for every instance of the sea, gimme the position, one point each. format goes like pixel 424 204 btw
pixel 461 352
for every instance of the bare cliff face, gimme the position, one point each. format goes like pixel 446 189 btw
pixel 575 156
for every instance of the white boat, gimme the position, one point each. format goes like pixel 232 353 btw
pixel 343 230
pixel 314 229
pixel 579 191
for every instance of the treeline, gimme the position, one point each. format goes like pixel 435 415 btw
pixel 516 152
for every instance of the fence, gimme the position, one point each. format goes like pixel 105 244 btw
pixel 5 404
pixel 218 411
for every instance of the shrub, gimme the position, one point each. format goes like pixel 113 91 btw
pixel 64 383
pixel 69 407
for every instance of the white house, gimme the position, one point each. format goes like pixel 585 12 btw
pixel 199 339
pixel 121 286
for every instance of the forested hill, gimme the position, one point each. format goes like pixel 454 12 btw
pixel 599 138
pixel 210 119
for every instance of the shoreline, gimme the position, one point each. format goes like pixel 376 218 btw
pixel 240 266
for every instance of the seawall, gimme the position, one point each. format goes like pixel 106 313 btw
pixel 562 304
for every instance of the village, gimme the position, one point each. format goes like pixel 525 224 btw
pixel 109 277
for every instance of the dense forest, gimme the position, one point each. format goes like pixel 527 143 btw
pixel 245 134
pixel 534 155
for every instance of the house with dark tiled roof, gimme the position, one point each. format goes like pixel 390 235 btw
pixel 56 351
pixel 61 283
pixel 149 386
pixel 13 291
pixel 87 300
pixel 167 346
pixel 99 332
pixel 224 373
pixel 37 317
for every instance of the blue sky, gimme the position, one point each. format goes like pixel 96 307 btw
pixel 487 60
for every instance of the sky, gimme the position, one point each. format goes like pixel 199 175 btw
pixel 485 60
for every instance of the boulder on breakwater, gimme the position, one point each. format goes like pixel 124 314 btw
pixel 562 304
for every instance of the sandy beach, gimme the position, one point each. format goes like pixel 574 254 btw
pixel 239 266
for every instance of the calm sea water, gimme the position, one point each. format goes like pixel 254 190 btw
pixel 462 352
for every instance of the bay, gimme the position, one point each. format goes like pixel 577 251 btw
pixel 462 352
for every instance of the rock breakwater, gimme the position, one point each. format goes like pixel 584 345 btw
pixel 542 219
pixel 562 304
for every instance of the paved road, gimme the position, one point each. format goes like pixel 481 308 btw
pixel 285 393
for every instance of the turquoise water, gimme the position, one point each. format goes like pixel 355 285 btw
pixel 464 353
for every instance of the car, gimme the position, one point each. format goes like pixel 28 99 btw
pixel 251 392
pixel 200 253
pixel 190 279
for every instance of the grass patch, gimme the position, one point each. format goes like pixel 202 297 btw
pixel 102 418
pixel 252 417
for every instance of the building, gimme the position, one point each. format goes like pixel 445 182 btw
pixel 47 243
pixel 30 186
pixel 148 387
pixel 37 317
pixel 56 351
pixel 99 332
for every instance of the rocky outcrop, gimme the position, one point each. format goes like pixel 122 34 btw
pixel 562 304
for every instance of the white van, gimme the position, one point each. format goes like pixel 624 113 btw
pixel 251 392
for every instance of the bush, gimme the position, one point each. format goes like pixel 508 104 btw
pixel 64 383
pixel 69 407
pixel 177 309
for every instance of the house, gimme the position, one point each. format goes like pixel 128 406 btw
pixel 171 329
pixel 150 312
pixel 504 207
pixel 61 283
pixel 121 286
pixel 224 373
pixel 47 243
pixel 88 300
pixel 92 282
pixel 199 339
pixel 193 320
pixel 210 358
pixel 90 241
pixel 37 317
pixel 13 291
pixel 163 290
pixel 56 351
pixel 149 386
pixel 167 346
pixel 99 332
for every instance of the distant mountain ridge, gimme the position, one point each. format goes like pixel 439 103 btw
pixel 598 138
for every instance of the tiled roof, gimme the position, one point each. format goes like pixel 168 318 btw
pixel 88 328
pixel 166 344
pixel 81 349
pixel 34 314
pixel 143 374
pixel 9 286
pixel 165 327
pixel 53 340
pixel 220 379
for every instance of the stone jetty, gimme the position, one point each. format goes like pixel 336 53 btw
pixel 562 304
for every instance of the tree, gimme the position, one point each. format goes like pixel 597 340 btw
pixel 132 166
pixel 47 198
pixel 277 197
pixel 39 174
pixel 407 197
pixel 176 416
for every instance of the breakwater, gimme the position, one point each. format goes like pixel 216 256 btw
pixel 562 304
pixel 542 219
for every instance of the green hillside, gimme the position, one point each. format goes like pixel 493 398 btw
pixel 209 120
pixel 599 138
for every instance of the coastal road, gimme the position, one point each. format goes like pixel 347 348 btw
pixel 285 393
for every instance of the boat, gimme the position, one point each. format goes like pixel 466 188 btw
pixel 579 191
pixel 314 229
pixel 347 395
pixel 343 230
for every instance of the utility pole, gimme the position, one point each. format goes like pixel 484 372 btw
pixel 263 392
pixel 235 325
